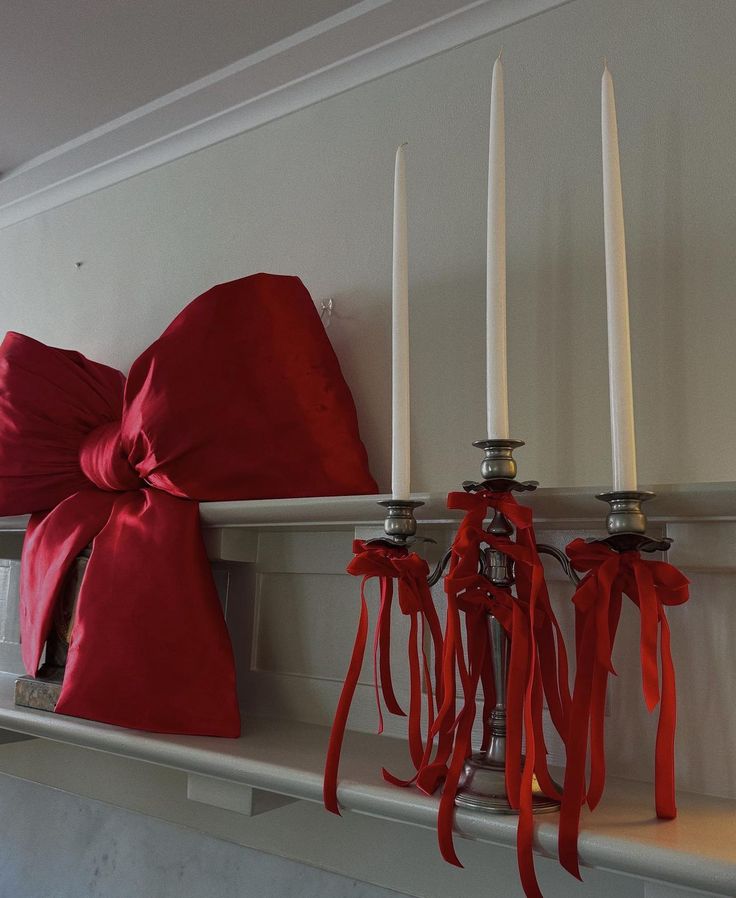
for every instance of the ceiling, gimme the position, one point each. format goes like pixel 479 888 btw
pixel 68 66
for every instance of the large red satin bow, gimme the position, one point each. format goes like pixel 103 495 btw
pixel 241 397
pixel 651 585
pixel 537 667
pixel 389 563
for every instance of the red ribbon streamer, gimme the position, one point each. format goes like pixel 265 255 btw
pixel 537 666
pixel 389 563
pixel 651 585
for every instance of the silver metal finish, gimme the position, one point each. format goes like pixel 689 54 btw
pixel 400 524
pixel 483 788
pixel 326 308
pixel 499 462
pixel 439 570
pixel 482 784
pixel 627 524
pixel 562 560
pixel 626 514
pixel 497 566
pixel 496 753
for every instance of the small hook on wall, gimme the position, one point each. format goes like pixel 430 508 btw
pixel 326 308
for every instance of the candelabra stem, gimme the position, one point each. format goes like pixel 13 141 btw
pixel 496 752
pixel 482 786
pixel 483 783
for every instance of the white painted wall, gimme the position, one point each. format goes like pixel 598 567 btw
pixel 311 195
pixel 70 847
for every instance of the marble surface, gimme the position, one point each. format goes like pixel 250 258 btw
pixel 62 846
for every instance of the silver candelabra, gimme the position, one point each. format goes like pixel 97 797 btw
pixel 483 782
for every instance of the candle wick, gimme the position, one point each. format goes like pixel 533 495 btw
pixel 404 144
pixel 605 63
pixel 500 54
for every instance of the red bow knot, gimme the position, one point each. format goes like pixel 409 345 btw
pixel 105 463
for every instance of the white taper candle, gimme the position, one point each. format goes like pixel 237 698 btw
pixel 623 443
pixel 496 374
pixel 400 440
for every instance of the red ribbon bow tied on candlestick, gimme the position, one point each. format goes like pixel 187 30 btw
pixel 537 666
pixel 651 585
pixel 388 563
pixel 241 397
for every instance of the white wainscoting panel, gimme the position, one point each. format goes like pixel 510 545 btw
pixel 10 658
pixel 292 613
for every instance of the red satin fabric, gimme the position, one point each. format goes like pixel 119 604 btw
pixel 537 668
pixel 242 397
pixel 651 585
pixel 388 564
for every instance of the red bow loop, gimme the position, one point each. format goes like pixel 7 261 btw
pixel 474 503
pixel 374 560
pixel 671 585
pixel 586 556
pixel 474 601
pixel 519 515
pixel 412 572
pixel 50 400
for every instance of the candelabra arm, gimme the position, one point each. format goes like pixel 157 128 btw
pixel 562 559
pixel 439 570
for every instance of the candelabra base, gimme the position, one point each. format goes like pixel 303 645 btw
pixel 483 788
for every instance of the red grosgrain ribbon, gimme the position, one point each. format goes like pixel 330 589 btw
pixel 651 585
pixel 537 667
pixel 389 563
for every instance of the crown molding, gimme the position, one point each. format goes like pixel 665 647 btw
pixel 366 41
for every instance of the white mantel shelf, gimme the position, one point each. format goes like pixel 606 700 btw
pixel 673 503
pixel 697 851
